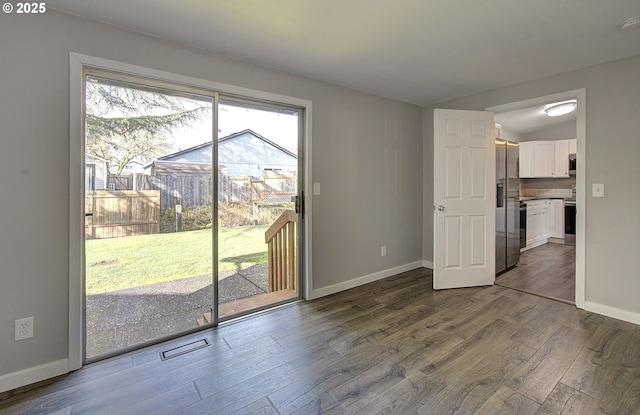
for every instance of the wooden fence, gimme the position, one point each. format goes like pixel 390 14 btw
pixel 193 190
pixel 110 214
pixel 197 189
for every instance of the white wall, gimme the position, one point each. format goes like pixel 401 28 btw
pixel 507 134
pixel 560 132
pixel 612 148
pixel 366 155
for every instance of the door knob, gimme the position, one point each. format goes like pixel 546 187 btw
pixel 440 208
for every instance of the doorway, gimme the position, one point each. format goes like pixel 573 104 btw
pixel 191 205
pixel 554 269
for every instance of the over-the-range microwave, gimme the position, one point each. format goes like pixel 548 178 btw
pixel 572 164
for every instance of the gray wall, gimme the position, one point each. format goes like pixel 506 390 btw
pixel 612 149
pixel 366 155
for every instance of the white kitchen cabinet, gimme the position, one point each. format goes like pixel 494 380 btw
pixel 573 146
pixel 537 222
pixel 556 219
pixel 526 159
pixel 561 167
pixel 537 159
pixel 546 159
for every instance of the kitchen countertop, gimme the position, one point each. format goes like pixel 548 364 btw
pixel 525 198
pixel 545 194
pixel 531 198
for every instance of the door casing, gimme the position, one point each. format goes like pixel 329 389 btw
pixel 77 65
pixel 580 95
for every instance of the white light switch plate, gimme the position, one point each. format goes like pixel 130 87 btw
pixel 597 190
pixel 316 189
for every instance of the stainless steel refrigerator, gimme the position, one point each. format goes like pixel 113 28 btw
pixel 507 205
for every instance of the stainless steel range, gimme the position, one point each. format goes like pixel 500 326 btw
pixel 570 221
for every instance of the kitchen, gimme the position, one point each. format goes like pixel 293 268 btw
pixel 536 200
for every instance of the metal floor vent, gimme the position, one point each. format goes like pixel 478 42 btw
pixel 185 348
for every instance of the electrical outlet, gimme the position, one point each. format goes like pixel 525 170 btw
pixel 24 328
pixel 383 250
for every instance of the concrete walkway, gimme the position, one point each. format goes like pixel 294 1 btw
pixel 123 318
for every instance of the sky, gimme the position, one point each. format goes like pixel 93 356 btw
pixel 281 128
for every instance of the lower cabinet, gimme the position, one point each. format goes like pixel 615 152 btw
pixel 556 219
pixel 537 222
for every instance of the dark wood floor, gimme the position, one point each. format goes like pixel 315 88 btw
pixel 548 270
pixel 394 347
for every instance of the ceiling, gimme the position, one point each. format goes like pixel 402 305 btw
pixel 415 51
pixel 529 120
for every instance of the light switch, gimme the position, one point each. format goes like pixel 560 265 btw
pixel 597 190
pixel 316 189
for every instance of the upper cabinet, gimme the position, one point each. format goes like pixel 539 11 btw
pixel 549 159
pixel 526 159
pixel 544 163
pixel 561 168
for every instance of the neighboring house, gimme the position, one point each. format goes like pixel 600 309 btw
pixel 250 167
pixel 95 172
pixel 242 154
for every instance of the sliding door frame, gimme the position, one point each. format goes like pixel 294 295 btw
pixel 78 65
pixel 269 105
pixel 166 88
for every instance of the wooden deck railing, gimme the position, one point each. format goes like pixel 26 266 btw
pixel 282 257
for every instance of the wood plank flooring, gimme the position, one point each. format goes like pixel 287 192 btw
pixel 548 270
pixel 394 346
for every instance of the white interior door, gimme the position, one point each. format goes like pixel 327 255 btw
pixel 464 199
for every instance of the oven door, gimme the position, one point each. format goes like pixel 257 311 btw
pixel 570 222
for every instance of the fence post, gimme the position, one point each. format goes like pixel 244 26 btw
pixel 178 218
pixel 254 208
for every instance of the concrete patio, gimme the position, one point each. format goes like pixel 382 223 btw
pixel 123 318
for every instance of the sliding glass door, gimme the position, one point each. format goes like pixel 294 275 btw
pixel 190 207
pixel 148 211
pixel 258 157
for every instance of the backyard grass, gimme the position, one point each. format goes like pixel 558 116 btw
pixel 117 263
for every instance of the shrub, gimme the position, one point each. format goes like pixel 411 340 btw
pixel 229 215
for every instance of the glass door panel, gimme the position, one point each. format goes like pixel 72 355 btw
pixel 258 177
pixel 148 212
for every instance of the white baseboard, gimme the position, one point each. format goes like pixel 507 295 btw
pixel 613 312
pixel 539 243
pixel 427 264
pixel 33 374
pixel 365 279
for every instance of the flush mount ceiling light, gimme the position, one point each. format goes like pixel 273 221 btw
pixel 632 23
pixel 560 109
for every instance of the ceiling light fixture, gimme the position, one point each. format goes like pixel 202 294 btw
pixel 560 109
pixel 632 23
